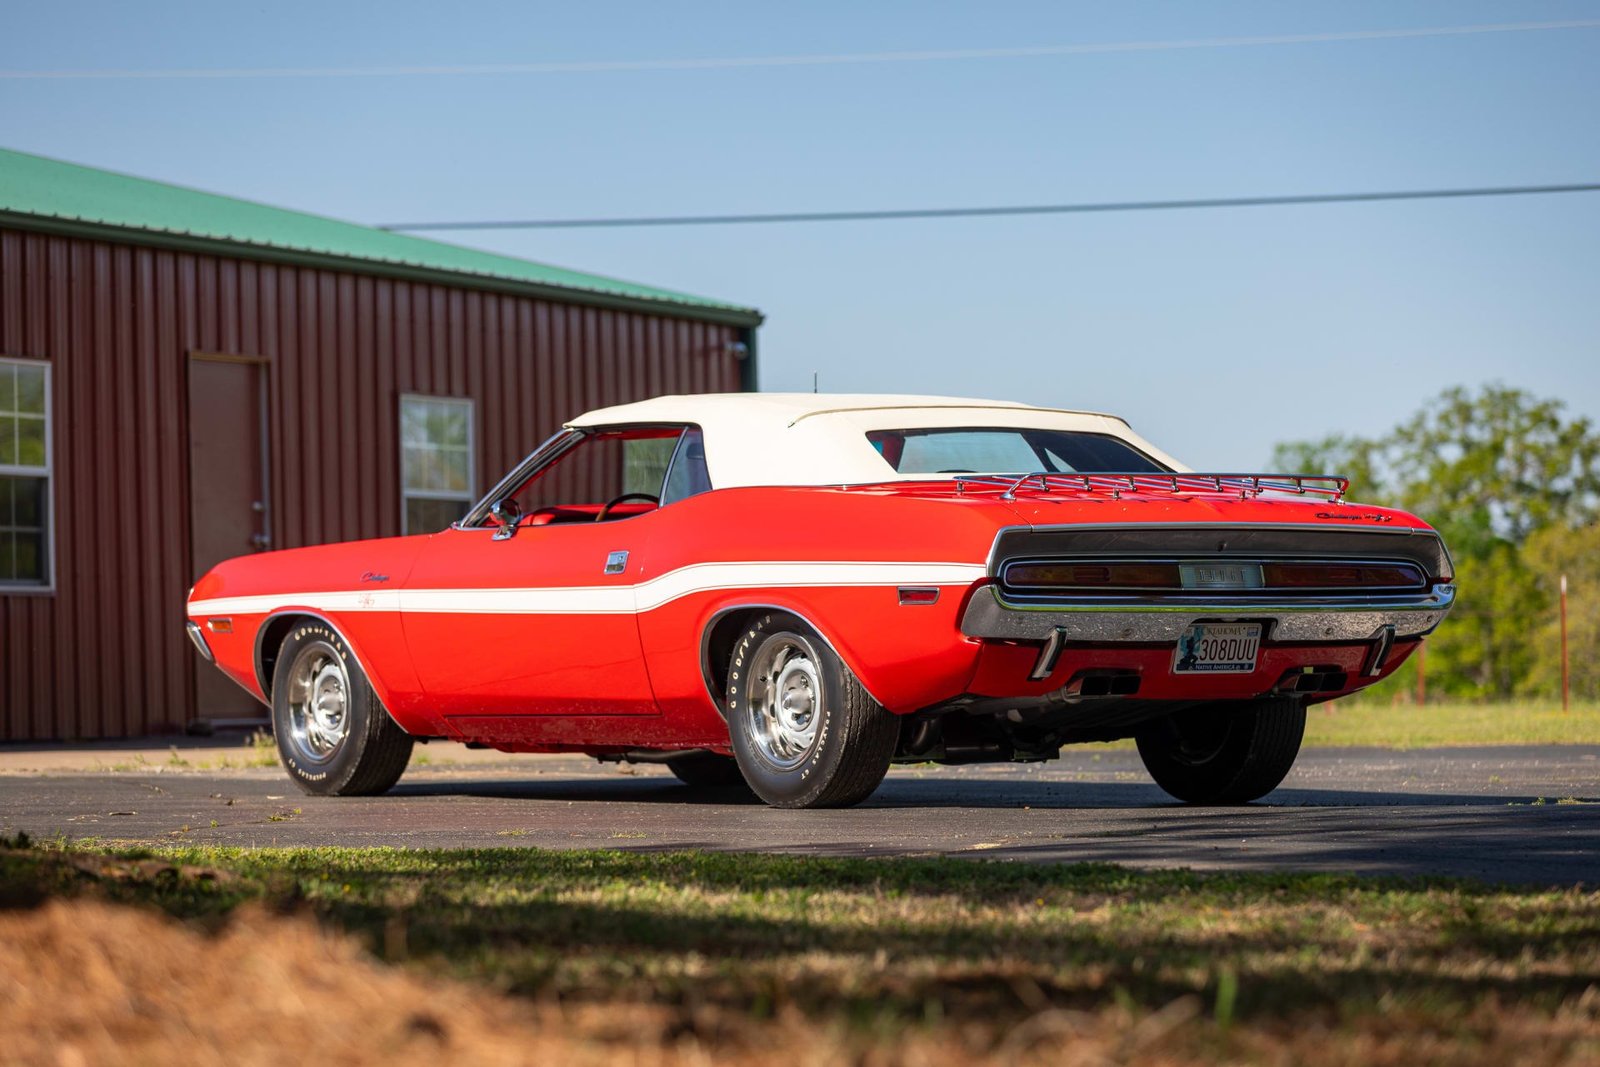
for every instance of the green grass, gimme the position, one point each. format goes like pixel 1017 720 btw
pixel 1341 724
pixel 882 945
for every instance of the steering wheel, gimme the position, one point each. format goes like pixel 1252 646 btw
pixel 605 509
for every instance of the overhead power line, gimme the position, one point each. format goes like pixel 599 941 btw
pixel 828 59
pixel 981 212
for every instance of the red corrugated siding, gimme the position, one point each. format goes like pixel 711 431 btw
pixel 105 654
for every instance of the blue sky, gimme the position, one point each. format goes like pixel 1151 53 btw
pixel 1217 333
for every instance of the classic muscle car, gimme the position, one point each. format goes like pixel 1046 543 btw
pixel 795 591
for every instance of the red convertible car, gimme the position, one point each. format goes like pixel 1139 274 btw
pixel 795 591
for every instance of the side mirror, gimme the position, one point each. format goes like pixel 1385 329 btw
pixel 507 513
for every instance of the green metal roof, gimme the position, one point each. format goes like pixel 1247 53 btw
pixel 47 194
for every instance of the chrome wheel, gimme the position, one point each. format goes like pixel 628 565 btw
pixel 319 703
pixel 785 704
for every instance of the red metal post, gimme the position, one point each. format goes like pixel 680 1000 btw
pixel 1565 706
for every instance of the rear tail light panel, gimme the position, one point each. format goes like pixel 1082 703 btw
pixel 1195 577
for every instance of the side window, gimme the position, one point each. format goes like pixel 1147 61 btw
pixel 644 464
pixel 436 450
pixel 609 474
pixel 25 535
pixel 688 475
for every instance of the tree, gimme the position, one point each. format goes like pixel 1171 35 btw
pixel 1512 485
pixel 1575 552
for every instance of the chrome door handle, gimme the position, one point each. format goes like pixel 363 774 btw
pixel 616 562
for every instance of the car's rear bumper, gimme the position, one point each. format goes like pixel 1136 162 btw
pixel 990 616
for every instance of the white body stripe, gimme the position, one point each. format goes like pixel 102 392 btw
pixel 604 599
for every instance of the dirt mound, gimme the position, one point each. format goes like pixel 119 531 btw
pixel 88 982
pixel 83 982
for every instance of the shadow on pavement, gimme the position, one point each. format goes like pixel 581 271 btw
pixel 963 792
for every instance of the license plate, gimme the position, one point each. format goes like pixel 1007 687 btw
pixel 1217 648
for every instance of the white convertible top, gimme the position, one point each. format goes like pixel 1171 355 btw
pixel 820 439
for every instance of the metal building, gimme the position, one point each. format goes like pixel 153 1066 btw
pixel 186 377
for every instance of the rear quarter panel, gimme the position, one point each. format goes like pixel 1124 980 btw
pixel 851 551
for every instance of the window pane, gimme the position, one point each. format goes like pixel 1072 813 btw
pixel 413 422
pixel 412 462
pixel 453 471
pixel 24 511
pixel 436 444
pixel 29 558
pixel 431 472
pixel 22 502
pixel 968 451
pixel 645 464
pixel 453 425
pixel 1006 451
pixel 689 475
pixel 23 557
pixel 30 442
pixel 431 516
pixel 30 389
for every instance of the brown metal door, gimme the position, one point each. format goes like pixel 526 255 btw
pixel 227 496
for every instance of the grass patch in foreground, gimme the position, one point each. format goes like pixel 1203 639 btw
pixel 945 952
pixel 1350 723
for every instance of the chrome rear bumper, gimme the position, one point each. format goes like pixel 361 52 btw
pixel 989 616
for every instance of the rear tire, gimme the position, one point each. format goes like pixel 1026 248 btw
pixel 333 735
pixel 705 770
pixel 1224 753
pixel 805 732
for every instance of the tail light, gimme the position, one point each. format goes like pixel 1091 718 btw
pixel 1343 576
pixel 1093 577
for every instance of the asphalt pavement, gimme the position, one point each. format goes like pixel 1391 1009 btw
pixel 1510 814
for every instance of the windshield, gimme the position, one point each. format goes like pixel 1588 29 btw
pixel 980 450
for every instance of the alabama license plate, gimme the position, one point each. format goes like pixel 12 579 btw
pixel 1217 648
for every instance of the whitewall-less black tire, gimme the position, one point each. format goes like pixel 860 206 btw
pixel 805 732
pixel 1224 753
pixel 333 735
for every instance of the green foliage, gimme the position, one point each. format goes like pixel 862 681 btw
pixel 1514 486
pixel 1574 552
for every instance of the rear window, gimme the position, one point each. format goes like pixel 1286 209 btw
pixel 979 450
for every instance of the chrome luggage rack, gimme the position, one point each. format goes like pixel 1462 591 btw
pixel 1330 487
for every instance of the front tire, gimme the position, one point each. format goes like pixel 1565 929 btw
pixel 333 735
pixel 1224 753
pixel 805 732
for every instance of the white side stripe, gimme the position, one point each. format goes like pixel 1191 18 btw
pixel 607 599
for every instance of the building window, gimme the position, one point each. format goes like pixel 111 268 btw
pixel 436 449
pixel 24 474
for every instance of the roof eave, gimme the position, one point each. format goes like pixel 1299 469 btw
pixel 182 242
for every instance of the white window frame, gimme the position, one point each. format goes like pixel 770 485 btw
pixel 48 473
pixel 469 496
